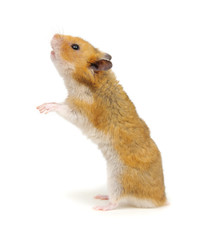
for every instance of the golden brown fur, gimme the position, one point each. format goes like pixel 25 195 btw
pixel 112 113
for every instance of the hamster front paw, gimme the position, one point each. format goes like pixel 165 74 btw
pixel 48 107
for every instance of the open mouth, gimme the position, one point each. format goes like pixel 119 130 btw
pixel 52 53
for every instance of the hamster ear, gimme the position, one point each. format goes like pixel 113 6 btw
pixel 101 65
pixel 107 56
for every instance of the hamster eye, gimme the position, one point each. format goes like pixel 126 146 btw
pixel 75 46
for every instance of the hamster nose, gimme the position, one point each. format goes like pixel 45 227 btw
pixel 56 40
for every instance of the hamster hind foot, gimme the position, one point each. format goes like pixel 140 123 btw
pixel 102 197
pixel 109 206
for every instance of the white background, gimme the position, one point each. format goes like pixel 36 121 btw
pixel 49 171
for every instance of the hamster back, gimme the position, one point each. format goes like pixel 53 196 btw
pixel 99 106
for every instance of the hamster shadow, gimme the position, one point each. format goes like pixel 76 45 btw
pixel 86 196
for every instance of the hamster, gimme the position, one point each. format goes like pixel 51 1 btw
pixel 99 106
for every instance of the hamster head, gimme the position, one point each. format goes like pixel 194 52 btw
pixel 76 58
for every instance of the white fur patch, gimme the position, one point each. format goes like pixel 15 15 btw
pixel 114 170
pixel 137 202
pixel 77 90
pixel 114 165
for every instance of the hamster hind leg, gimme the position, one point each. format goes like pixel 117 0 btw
pixel 114 187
